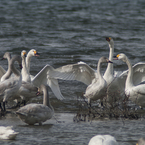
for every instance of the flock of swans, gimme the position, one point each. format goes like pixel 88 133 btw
pixel 16 85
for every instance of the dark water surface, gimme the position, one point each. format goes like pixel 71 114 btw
pixel 65 32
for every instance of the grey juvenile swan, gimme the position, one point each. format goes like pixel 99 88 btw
pixel 10 87
pixel 37 113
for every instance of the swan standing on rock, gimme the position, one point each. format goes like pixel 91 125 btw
pixel 10 87
pixel 7 133
pixel 8 73
pixel 103 140
pixel 37 113
pixel 136 93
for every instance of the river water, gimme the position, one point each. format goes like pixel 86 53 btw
pixel 66 32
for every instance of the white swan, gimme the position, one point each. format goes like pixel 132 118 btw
pixel 50 81
pixel 136 93
pixel 97 89
pixel 7 133
pixel 10 87
pixel 109 73
pixel 26 71
pixel 27 89
pixel 8 73
pixel 103 140
pixel 141 141
pixel 37 113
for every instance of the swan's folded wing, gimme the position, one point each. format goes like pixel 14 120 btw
pixel 2 71
pixel 7 85
pixel 45 76
pixel 80 72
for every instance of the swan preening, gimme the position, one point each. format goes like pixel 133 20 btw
pixel 7 133
pixel 37 113
pixel 103 140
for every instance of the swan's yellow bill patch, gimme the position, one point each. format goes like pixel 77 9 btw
pixel 117 56
pixel 24 53
pixel 109 38
pixel 35 52
pixel 137 144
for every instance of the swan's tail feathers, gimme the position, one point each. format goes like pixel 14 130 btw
pixel 53 84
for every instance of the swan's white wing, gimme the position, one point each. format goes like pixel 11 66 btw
pixel 32 77
pixel 138 73
pixel 80 72
pixel 45 76
pixel 2 71
pixel 138 76
pixel 8 88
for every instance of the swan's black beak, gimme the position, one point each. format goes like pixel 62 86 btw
pixel 37 54
pixel 115 58
pixel 2 58
pixel 108 39
pixel 110 61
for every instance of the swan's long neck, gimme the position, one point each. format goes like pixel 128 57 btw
pixel 46 101
pixel 9 72
pixel 28 59
pixel 13 68
pixel 25 71
pixel 129 81
pixel 109 70
pixel 99 71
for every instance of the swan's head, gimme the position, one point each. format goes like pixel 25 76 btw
pixel 141 141
pixel 120 56
pixel 7 55
pixel 104 60
pixel 110 41
pixel 33 52
pixel 23 53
